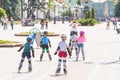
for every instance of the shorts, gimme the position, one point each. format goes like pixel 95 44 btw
pixel 62 54
pixel 26 54
pixel 44 46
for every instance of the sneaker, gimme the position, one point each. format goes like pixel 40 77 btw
pixel 58 70
pixel 65 71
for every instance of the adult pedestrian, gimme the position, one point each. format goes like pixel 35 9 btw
pixel 5 21
pixel 108 24
pixel 42 22
pixel 115 23
pixel 11 22
pixel 46 23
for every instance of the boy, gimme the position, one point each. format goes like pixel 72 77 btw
pixel 62 48
pixel 45 44
pixel 26 53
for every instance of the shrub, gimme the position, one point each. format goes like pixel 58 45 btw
pixel 86 22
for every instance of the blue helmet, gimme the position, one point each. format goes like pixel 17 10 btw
pixel 29 39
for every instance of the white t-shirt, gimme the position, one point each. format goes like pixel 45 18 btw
pixel 62 45
pixel 73 38
pixel 74 27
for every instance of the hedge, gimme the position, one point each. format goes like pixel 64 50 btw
pixel 88 22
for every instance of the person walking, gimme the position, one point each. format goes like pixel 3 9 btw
pixel 42 22
pixel 46 23
pixel 5 21
pixel 108 24
pixel 11 22
pixel 115 24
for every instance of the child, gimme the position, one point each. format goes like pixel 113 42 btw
pixel 73 41
pixel 62 48
pixel 45 44
pixel 26 53
pixel 81 39
pixel 74 25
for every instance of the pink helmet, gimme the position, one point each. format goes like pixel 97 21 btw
pixel 82 32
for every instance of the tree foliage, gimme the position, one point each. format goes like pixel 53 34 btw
pixel 117 9
pixel 12 8
pixel 87 14
pixel 68 13
pixel 78 2
pixel 2 12
pixel 93 13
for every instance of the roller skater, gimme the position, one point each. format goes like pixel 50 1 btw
pixel 62 48
pixel 26 53
pixel 73 42
pixel 45 44
pixel 81 39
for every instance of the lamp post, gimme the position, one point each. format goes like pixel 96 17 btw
pixel 63 14
pixel 69 11
pixel 22 8
pixel 54 13
pixel 76 11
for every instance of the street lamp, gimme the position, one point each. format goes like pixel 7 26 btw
pixel 63 14
pixel 69 11
pixel 54 13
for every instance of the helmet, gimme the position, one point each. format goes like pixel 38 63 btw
pixel 82 32
pixel 63 36
pixel 45 32
pixel 29 39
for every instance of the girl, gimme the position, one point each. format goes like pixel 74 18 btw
pixel 62 48
pixel 81 39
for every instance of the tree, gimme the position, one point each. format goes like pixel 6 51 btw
pixel 12 8
pixel 67 13
pixel 87 14
pixel 93 13
pixel 78 2
pixel 117 9
pixel 2 12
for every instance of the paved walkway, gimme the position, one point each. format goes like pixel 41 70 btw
pixel 101 49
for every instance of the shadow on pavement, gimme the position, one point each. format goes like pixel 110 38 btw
pixel 112 62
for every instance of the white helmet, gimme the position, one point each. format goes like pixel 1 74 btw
pixel 63 36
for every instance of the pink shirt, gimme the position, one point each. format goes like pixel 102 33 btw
pixel 81 39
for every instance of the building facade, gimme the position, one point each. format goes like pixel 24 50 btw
pixel 102 9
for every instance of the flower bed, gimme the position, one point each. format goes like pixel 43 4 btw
pixel 52 34
pixel 7 43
